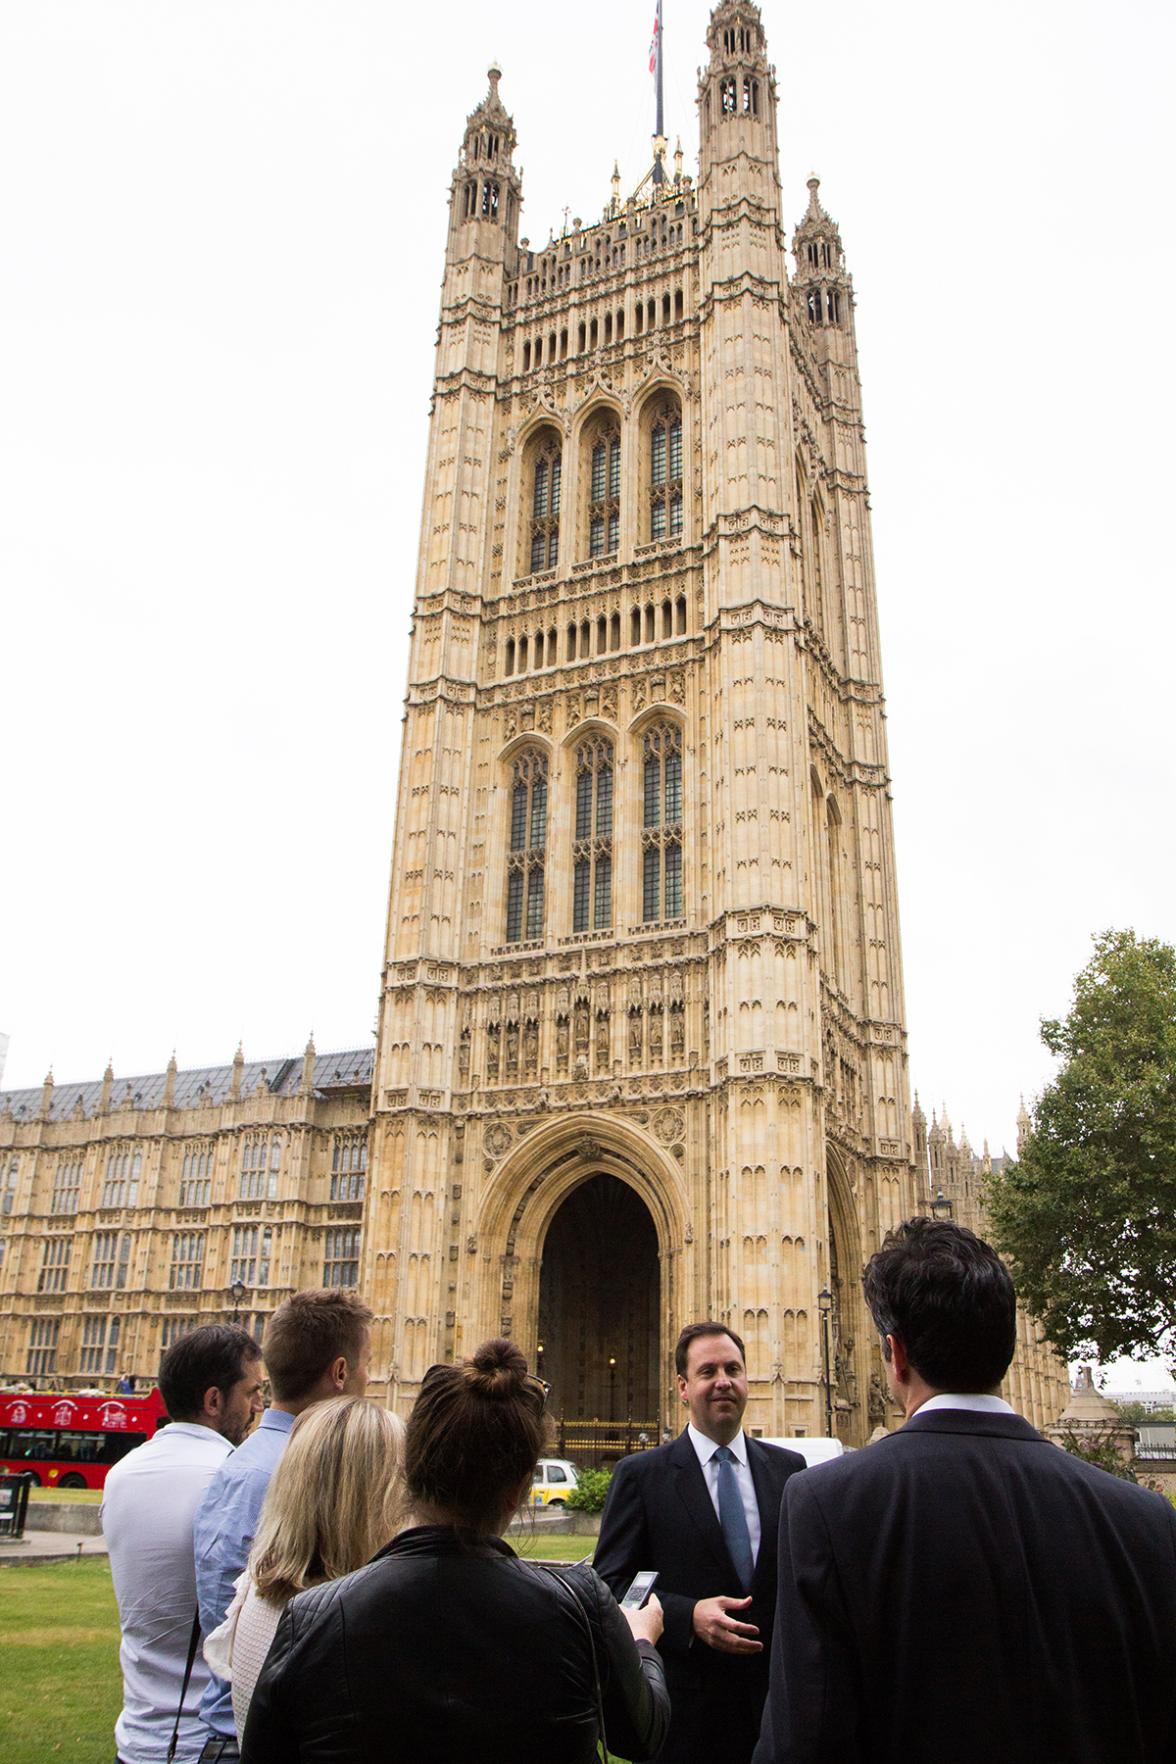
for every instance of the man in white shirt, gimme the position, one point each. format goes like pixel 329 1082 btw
pixel 703 1510
pixel 962 1590
pixel 211 1386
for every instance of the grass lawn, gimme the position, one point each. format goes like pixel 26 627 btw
pixel 60 1687
pixel 75 1497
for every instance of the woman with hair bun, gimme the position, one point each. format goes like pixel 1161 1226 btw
pixel 447 1649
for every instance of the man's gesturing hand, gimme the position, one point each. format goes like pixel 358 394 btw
pixel 714 1624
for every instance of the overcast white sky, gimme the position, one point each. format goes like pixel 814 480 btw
pixel 221 237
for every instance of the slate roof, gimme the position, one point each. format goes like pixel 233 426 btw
pixel 199 1084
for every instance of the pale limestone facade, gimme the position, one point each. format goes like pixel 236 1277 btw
pixel 695 616
pixel 128 1209
pixel 641 1054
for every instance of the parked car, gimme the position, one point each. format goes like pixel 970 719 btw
pixel 553 1482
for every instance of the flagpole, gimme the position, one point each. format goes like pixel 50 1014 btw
pixel 659 171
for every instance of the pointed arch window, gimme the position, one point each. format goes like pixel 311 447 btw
pixel 661 832
pixel 604 491
pixel 592 847
pixel 527 848
pixel 546 475
pixel 665 473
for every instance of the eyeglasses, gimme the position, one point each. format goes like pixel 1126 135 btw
pixel 542 1386
pixel 531 1382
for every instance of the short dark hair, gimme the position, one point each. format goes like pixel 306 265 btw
pixel 691 1333
pixel 306 1333
pixel 949 1299
pixel 476 1430
pixel 216 1354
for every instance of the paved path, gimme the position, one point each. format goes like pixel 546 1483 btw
pixel 50 1546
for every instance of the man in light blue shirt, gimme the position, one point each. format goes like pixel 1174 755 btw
pixel 317 1345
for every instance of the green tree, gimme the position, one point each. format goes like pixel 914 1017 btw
pixel 1087 1215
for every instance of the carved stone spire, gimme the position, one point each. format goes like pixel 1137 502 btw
pixel 238 1070
pixel 821 276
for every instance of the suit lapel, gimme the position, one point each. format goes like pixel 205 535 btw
pixel 692 1491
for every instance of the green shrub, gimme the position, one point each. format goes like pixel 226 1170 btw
pixel 591 1489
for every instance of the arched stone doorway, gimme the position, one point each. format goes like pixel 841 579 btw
pixel 599 1306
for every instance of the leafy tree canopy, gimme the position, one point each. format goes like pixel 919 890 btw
pixel 1087 1214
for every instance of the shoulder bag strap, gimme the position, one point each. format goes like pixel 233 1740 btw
pixel 192 1641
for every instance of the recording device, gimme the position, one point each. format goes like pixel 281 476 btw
pixel 640 1588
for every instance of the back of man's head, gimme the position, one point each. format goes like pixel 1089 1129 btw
pixel 216 1354
pixel 307 1333
pixel 948 1298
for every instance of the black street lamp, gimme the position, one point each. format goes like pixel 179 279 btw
pixel 237 1294
pixel 941 1206
pixel 612 1379
pixel 825 1305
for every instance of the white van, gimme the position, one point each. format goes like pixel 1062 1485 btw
pixel 814 1451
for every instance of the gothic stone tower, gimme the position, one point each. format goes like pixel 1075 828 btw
pixel 641 1053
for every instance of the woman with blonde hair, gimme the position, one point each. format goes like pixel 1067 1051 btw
pixel 335 1499
pixel 447 1649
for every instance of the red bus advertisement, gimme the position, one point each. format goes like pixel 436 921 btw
pixel 71 1441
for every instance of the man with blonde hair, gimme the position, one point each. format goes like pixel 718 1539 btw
pixel 317 1345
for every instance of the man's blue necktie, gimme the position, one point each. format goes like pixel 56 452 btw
pixel 732 1518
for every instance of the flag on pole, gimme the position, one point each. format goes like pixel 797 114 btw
pixel 655 44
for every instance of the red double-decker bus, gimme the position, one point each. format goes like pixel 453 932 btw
pixel 71 1441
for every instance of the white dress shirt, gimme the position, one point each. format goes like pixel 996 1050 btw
pixel 706 1449
pixel 148 1506
pixel 984 1405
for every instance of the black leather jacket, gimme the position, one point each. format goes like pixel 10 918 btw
pixel 447 1649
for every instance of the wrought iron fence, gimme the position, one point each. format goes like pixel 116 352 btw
pixel 596 1441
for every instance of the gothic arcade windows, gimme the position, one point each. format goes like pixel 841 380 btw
pixel 661 830
pixel 545 461
pixel 665 471
pixel 527 847
pixel 604 488
pixel 592 849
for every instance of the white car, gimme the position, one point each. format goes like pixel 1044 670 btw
pixel 553 1482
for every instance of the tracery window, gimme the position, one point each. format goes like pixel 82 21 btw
pixel 120 1179
pixel 252 1247
pixel 196 1176
pixel 526 853
pixel 109 1260
pixel 261 1159
pixel 341 1256
pixel 348 1166
pixel 546 476
pixel 665 473
pixel 8 1180
pixel 99 1347
pixel 604 492
pixel 42 1358
pixel 661 835
pixel 55 1254
pixel 186 1273
pixel 592 849
pixel 67 1182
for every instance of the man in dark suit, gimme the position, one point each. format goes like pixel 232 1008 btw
pixel 962 1591
pixel 703 1511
